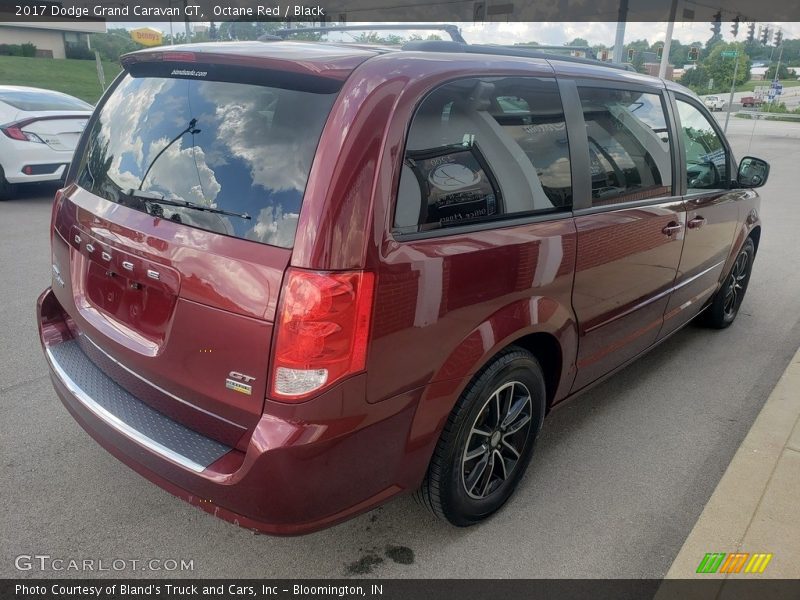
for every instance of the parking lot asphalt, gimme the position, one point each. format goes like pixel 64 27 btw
pixel 619 477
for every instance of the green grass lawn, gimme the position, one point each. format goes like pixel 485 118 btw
pixel 75 77
pixel 752 84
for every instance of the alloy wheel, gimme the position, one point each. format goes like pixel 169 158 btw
pixel 496 440
pixel 735 285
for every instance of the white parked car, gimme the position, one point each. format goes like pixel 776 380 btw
pixel 714 103
pixel 38 133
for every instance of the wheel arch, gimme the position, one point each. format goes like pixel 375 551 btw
pixel 755 235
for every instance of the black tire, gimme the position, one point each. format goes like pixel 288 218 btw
pixel 513 374
pixel 726 302
pixel 7 189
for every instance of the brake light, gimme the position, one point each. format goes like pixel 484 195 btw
pixel 179 56
pixel 15 132
pixel 323 327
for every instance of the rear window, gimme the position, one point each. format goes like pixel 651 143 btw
pixel 239 151
pixel 35 101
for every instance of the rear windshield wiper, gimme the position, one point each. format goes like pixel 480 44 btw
pixel 159 199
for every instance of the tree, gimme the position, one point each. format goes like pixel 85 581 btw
pixel 250 30
pixel 783 72
pixel 713 42
pixel 113 43
pixel 578 42
pixel 720 68
pixel 696 79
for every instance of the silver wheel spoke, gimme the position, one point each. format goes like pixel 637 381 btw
pixel 518 424
pixel 514 409
pixel 499 457
pixel 497 407
pixel 510 448
pixel 488 478
pixel 476 474
pixel 476 431
pixel 473 454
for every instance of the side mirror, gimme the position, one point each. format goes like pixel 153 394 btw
pixel 753 172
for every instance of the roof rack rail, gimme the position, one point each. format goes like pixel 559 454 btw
pixel 500 50
pixel 451 30
pixel 587 50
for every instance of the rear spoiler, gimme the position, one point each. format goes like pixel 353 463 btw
pixel 330 65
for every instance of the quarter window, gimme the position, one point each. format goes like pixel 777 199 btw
pixel 706 155
pixel 629 145
pixel 484 149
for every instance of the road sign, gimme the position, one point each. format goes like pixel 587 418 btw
pixel 730 53
pixel 711 84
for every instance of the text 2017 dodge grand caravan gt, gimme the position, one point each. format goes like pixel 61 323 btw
pixel 294 280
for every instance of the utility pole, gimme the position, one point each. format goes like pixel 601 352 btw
pixel 733 87
pixel 186 23
pixel 662 68
pixel 619 41
pixel 778 66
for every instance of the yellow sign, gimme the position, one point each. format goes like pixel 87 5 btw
pixel 146 36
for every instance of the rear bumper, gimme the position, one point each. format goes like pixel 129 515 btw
pixel 45 163
pixel 305 467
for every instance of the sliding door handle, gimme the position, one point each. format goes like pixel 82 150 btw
pixel 696 223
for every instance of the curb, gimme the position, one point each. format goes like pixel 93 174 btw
pixel 753 508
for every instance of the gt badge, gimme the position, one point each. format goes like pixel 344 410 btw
pixel 239 382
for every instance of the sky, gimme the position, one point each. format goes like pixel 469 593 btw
pixel 555 33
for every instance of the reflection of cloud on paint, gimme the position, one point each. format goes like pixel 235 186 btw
pixel 182 173
pixel 274 227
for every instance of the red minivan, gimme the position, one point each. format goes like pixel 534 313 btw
pixel 293 280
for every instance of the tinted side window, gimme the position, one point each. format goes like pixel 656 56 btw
pixel 482 149
pixel 629 145
pixel 706 156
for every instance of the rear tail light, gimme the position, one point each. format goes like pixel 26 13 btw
pixel 15 132
pixel 323 327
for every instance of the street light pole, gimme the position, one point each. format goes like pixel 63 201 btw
pixel 733 87
pixel 619 41
pixel 662 68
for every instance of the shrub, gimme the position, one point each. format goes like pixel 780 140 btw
pixel 28 49
pixel 11 49
pixel 78 51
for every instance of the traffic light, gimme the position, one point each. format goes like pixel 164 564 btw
pixel 765 36
pixel 630 55
pixel 735 26
pixel 694 53
pixel 778 38
pixel 660 52
pixel 751 32
pixel 716 24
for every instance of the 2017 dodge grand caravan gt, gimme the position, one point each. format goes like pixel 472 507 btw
pixel 294 280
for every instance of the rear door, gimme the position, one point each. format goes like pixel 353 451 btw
pixel 630 223
pixel 178 230
pixel 712 211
